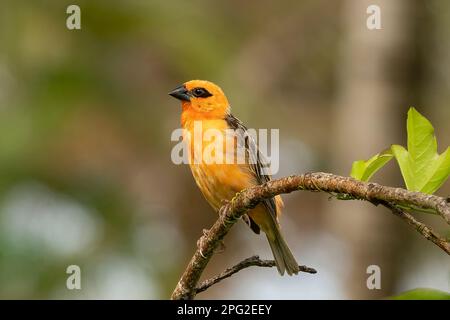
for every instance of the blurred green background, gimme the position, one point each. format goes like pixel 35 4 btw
pixel 85 123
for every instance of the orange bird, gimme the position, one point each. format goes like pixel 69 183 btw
pixel 204 103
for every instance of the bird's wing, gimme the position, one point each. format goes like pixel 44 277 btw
pixel 258 164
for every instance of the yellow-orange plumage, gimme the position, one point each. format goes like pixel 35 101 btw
pixel 208 108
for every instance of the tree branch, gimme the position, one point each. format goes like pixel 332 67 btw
pixel 420 227
pixel 253 261
pixel 343 187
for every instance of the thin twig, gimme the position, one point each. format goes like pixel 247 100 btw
pixel 319 181
pixel 253 261
pixel 423 229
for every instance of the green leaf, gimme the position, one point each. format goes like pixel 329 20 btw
pixel 422 294
pixel 404 162
pixel 422 168
pixel 439 174
pixel 364 170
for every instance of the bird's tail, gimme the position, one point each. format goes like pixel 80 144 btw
pixel 284 259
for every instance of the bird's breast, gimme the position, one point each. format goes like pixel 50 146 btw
pixel 217 178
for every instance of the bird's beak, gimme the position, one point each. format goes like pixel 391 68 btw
pixel 180 93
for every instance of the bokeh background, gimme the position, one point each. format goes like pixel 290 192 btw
pixel 85 124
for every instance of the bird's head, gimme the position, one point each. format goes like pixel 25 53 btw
pixel 202 98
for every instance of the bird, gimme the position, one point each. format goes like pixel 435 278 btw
pixel 204 103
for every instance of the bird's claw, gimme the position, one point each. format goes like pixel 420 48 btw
pixel 223 207
pixel 223 212
pixel 201 241
pixel 221 247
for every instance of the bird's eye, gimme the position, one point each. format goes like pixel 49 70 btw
pixel 200 93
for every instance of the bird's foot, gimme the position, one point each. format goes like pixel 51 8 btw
pixel 223 207
pixel 223 212
pixel 201 241
pixel 220 249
